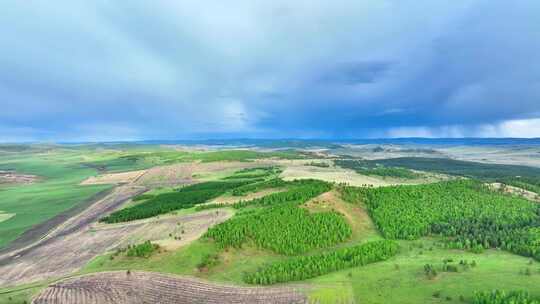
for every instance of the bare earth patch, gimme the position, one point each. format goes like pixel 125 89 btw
pixel 5 216
pixel 186 173
pixel 147 287
pixel 11 177
pixel 294 169
pixel 114 178
pixel 532 196
pixel 70 249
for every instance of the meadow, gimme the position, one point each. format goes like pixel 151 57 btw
pixel 56 192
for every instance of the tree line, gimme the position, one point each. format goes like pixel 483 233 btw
pixel 305 267
pixel 182 198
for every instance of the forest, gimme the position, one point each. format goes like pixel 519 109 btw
pixel 299 191
pixel 465 212
pixel 525 175
pixel 371 168
pixel 285 229
pixel 182 198
pixel 305 267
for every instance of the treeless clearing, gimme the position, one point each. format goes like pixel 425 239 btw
pixel 11 177
pixel 114 178
pixel 147 287
pixel 174 231
pixel 68 250
pixel 183 173
pixel 298 169
pixel 532 196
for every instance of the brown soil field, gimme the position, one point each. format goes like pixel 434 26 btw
pixel 71 247
pixel 169 231
pixel 65 248
pixel 299 169
pixel 146 287
pixel 11 177
pixel 114 178
pixel 185 173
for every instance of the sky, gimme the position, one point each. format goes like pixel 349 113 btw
pixel 106 70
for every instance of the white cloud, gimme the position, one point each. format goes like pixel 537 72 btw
pixel 529 128
pixel 518 128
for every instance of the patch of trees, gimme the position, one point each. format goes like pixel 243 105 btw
pixel 300 191
pixel 142 197
pixel 305 267
pixel 258 174
pixel 258 186
pixel 486 172
pixel 285 229
pixel 466 212
pixel 143 250
pixel 185 197
pixel 319 164
pixel 208 261
pixel 502 297
pixel 371 168
pixel 448 265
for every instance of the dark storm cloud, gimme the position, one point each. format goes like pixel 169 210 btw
pixel 91 70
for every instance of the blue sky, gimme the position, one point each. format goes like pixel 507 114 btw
pixel 127 70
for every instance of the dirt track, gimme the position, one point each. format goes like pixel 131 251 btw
pixel 66 248
pixel 146 287
pixel 10 177
pixel 37 232
pixel 78 242
pixel 185 173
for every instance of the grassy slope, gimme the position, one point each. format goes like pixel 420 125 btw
pixel 20 294
pixel 185 260
pixel 58 190
pixel 385 283
pixel 117 161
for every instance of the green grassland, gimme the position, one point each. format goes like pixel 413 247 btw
pixel 21 294
pixel 57 190
pixel 118 161
pixel 401 279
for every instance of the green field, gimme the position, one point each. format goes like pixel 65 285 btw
pixel 57 190
pixel 402 280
